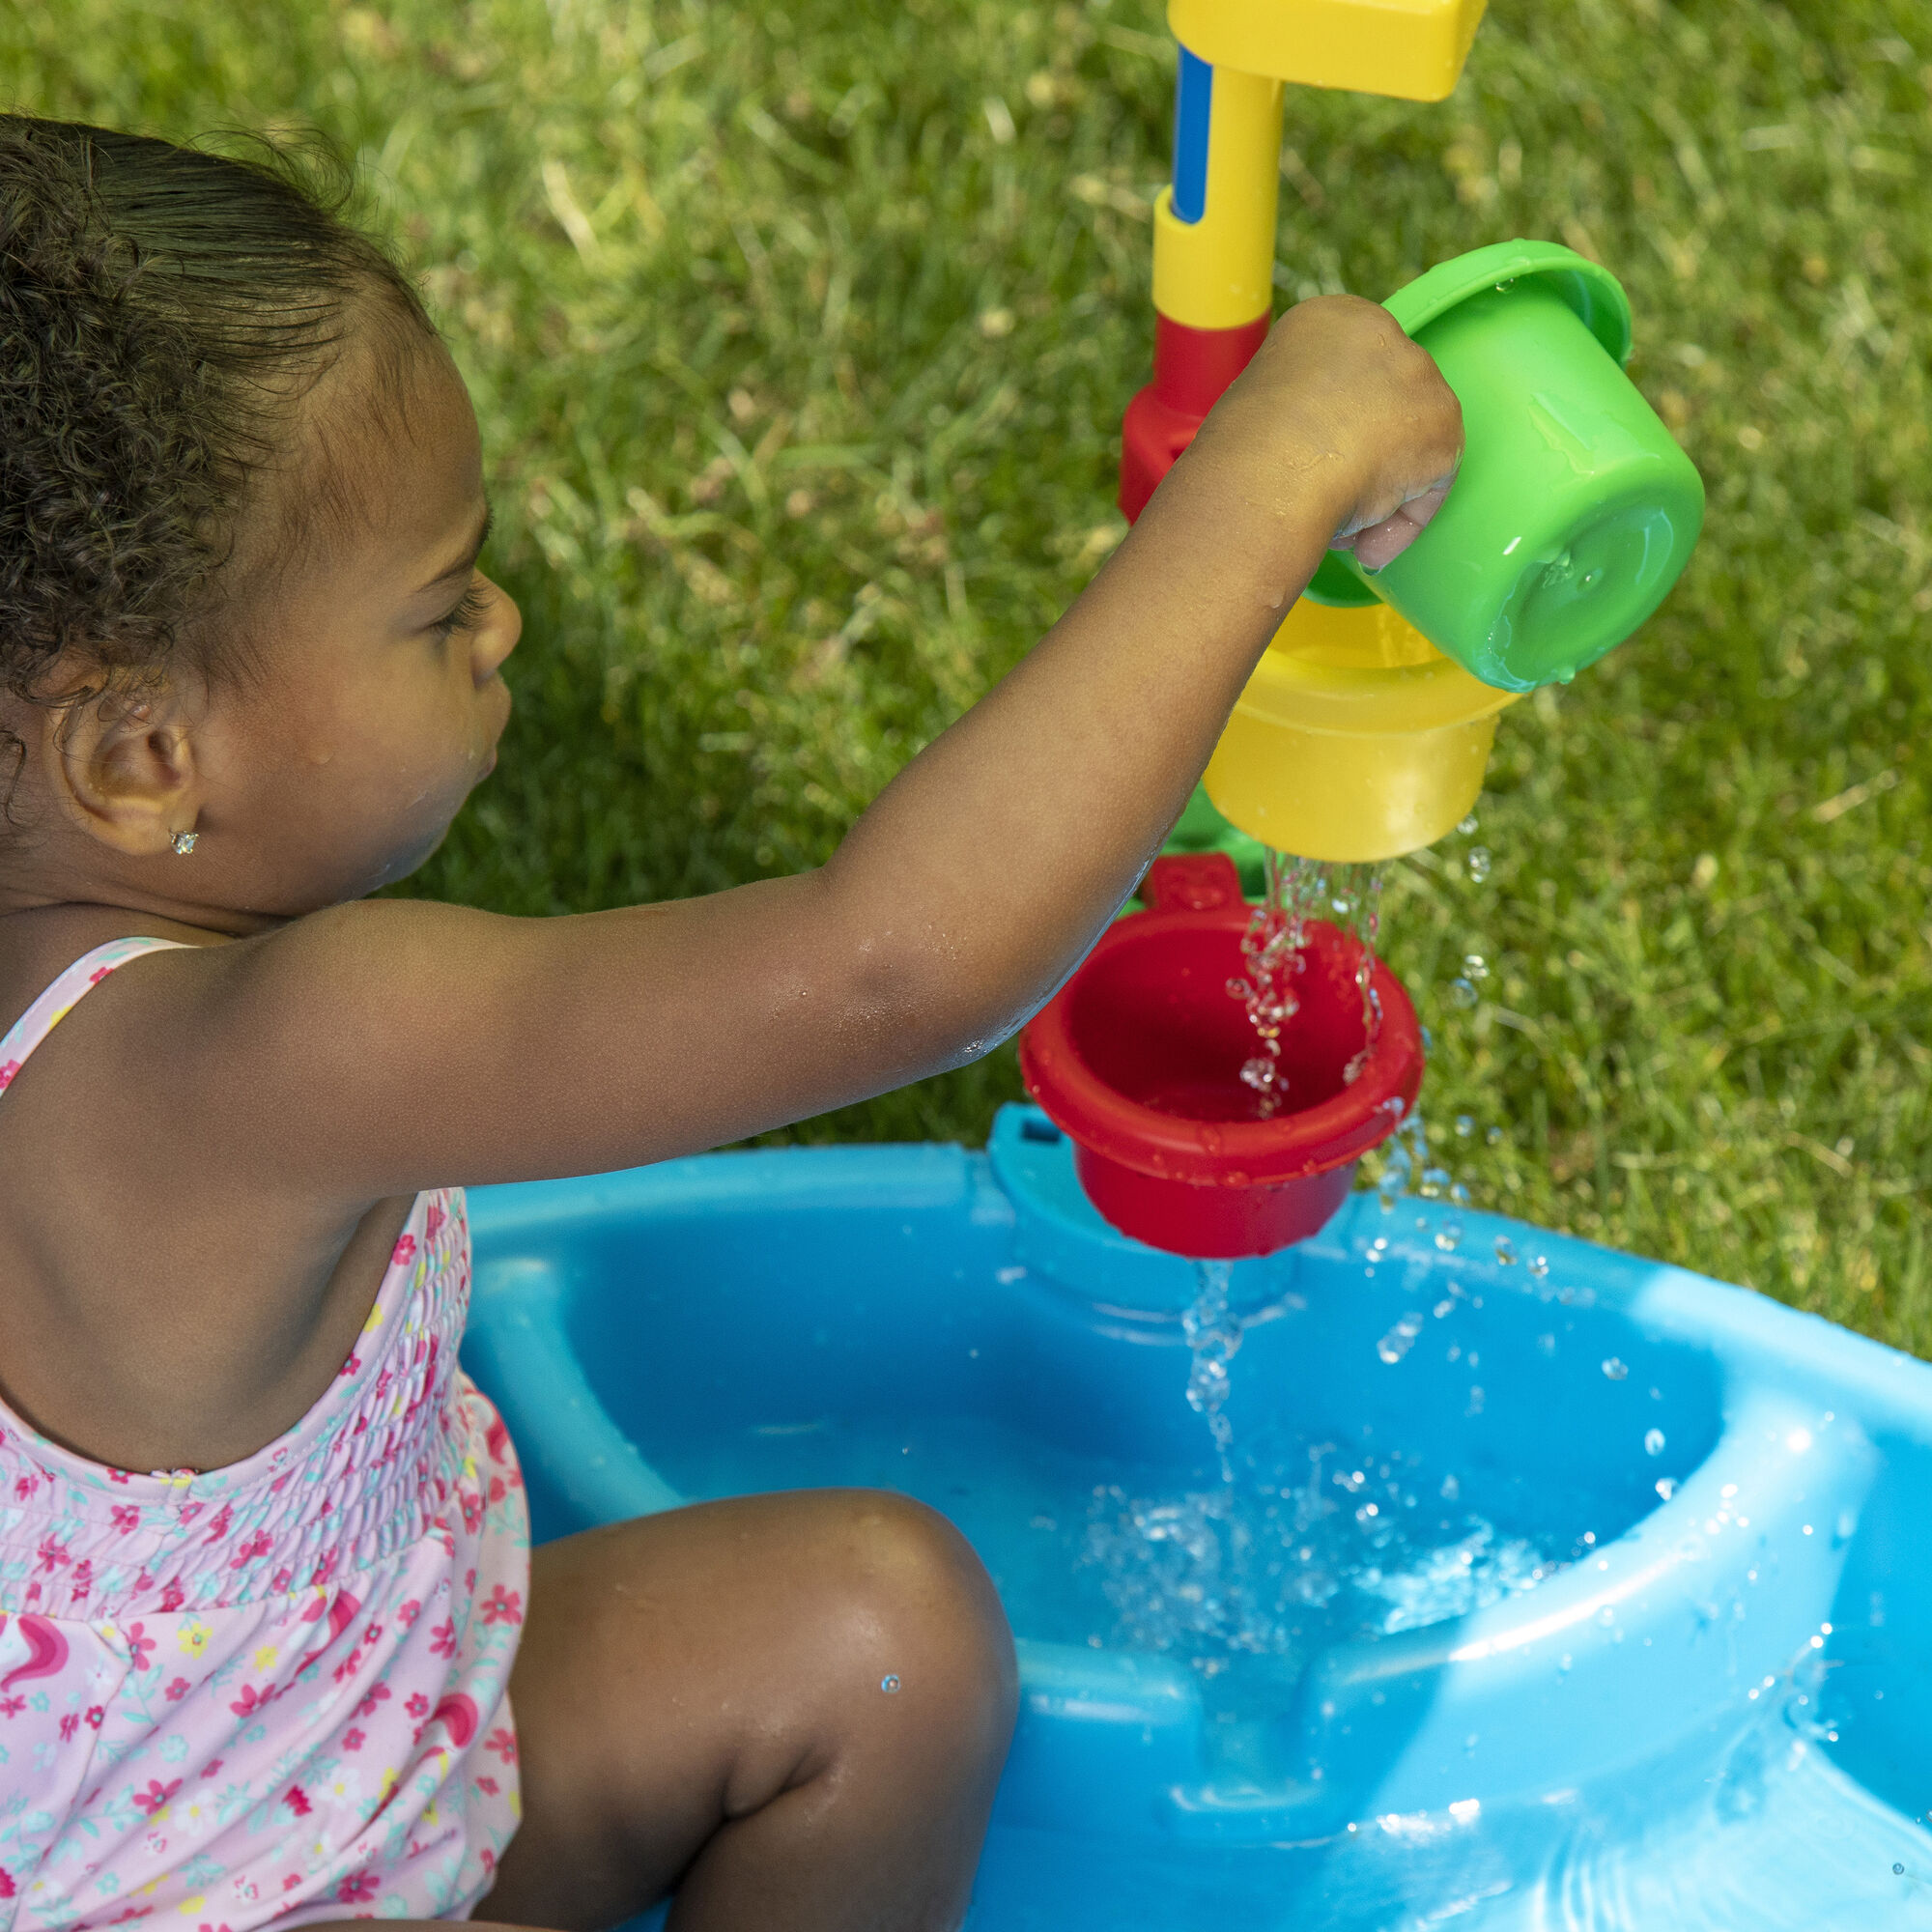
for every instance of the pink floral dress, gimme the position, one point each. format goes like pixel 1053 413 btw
pixel 274 1692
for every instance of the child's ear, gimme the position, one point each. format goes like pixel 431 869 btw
pixel 123 766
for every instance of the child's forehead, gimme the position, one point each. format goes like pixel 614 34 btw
pixel 390 465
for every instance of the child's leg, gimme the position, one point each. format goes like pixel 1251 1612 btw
pixel 698 1701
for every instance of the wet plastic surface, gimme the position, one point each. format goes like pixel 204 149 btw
pixel 1715 1713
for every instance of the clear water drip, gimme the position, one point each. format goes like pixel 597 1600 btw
pixel 1294 891
pixel 1272 948
pixel 1367 927
pixel 1405 1164
pixel 1213 1335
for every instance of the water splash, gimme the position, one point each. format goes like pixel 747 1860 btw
pixel 1297 1557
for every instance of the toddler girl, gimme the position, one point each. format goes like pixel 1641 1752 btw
pixel 275 1650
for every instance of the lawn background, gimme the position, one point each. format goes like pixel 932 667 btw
pixel 800 337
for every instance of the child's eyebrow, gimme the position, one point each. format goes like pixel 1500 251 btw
pixel 466 562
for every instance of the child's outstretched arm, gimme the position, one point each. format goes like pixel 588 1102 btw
pixel 385 1045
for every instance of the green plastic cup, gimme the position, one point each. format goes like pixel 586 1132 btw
pixel 1575 511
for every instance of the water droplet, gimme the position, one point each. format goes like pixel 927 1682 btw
pixel 1666 1486
pixel 1652 1442
pixel 1428 1041
pixel 1478 863
pixel 1607 1616
pixel 1898 1872
pixel 1458 1194
pixel 1448 1236
pixel 1616 1370
pixel 1475 966
pixel 1539 1265
pixel 1399 1339
pixel 1462 994
pixel 1505 1251
pixel 890 1682
pixel 1468 825
pixel 1465 1126
pixel 1494 1137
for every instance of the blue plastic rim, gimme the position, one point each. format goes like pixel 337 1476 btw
pixel 1714 1710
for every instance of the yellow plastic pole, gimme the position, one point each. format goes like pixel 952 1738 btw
pixel 1218 272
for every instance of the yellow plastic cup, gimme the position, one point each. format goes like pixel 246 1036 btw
pixel 1355 740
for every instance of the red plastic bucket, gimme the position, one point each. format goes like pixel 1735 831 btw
pixel 1137 1060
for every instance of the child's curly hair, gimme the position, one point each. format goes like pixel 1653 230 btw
pixel 162 309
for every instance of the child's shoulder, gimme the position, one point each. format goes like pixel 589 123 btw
pixel 37 947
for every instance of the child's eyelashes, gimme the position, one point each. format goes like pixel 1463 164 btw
pixel 469 612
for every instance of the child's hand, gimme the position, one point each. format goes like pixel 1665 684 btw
pixel 1340 401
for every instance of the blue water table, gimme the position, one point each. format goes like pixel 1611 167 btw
pixel 1557 1587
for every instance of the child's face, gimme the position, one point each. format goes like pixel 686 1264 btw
pixel 380 700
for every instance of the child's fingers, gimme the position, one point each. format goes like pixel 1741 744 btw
pixel 1381 543
pixel 1420 509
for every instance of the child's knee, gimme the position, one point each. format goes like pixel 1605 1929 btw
pixel 927 1611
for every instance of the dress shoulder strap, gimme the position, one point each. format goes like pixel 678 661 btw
pixel 60 999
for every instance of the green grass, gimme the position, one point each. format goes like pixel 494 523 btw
pixel 801 336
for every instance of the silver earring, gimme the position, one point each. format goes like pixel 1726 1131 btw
pixel 183 843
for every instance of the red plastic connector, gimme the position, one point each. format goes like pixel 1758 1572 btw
pixel 1191 367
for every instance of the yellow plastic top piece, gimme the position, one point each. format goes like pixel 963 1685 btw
pixel 1407 49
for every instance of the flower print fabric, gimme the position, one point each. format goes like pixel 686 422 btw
pixel 274 1692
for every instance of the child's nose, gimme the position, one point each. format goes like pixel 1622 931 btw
pixel 497 638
